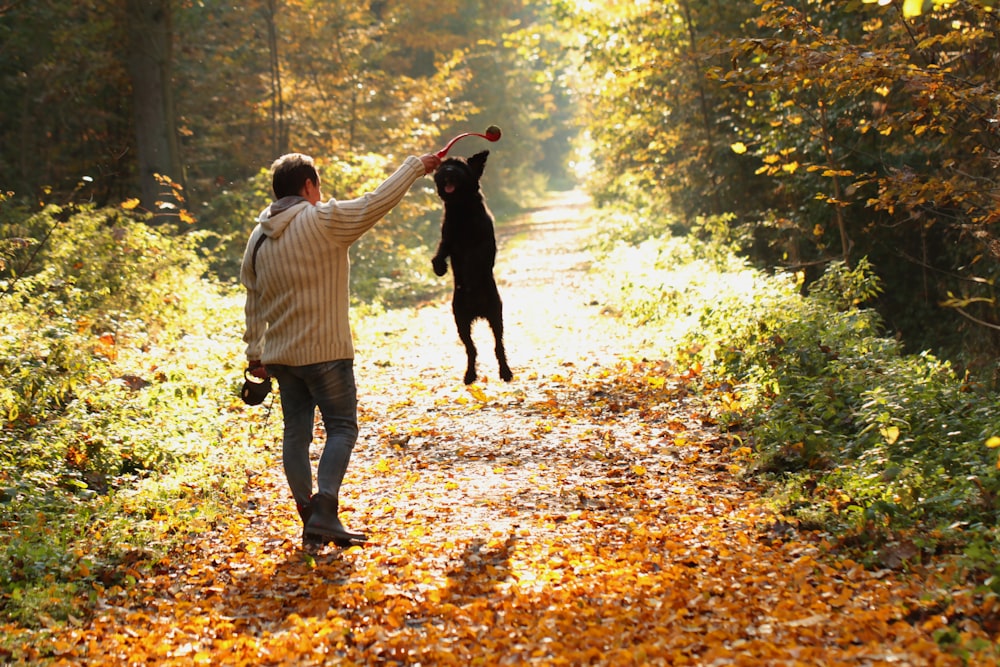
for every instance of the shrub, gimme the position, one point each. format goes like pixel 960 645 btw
pixel 855 435
pixel 117 357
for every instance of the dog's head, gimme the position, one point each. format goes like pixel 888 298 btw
pixel 458 177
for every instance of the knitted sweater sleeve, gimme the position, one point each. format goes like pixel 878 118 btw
pixel 253 335
pixel 351 218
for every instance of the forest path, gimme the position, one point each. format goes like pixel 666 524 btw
pixel 586 513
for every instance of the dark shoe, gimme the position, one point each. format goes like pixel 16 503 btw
pixel 323 523
pixel 315 541
pixel 305 511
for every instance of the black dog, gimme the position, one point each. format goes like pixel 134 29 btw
pixel 467 237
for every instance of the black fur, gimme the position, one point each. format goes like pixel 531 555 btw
pixel 467 238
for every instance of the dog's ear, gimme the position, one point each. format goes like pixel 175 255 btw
pixel 478 163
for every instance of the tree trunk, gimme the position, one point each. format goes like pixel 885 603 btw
pixel 279 129
pixel 707 118
pixel 149 65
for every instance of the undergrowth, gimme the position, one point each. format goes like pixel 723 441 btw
pixel 856 438
pixel 120 427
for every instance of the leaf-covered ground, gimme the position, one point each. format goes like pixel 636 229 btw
pixel 587 513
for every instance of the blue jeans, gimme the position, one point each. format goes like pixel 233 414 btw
pixel 330 387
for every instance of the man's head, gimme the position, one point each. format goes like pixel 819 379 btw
pixel 295 174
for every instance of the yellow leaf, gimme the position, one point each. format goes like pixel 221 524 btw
pixel 890 433
pixel 638 470
pixel 911 8
pixel 130 204
pixel 739 148
pixel 791 167
pixel 993 442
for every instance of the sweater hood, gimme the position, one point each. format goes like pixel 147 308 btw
pixel 275 218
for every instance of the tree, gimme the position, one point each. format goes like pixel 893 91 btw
pixel 150 61
pixel 831 132
pixel 660 129
pixel 64 116
pixel 207 93
pixel 888 123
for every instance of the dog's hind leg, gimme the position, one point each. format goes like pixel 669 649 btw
pixel 496 324
pixel 464 326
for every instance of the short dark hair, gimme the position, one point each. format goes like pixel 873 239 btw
pixel 290 172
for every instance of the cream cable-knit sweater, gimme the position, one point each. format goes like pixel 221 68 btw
pixel 298 298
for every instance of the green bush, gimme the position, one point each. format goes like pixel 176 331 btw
pixel 121 370
pixel 855 436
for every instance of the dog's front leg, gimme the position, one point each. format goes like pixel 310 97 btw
pixel 440 259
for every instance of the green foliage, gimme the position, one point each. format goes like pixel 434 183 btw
pixel 79 283
pixel 856 435
pixel 117 357
pixel 227 220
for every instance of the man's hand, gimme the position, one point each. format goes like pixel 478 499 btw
pixel 431 162
pixel 257 369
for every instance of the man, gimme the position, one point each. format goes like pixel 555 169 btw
pixel 296 273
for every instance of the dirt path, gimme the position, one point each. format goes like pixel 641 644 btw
pixel 499 454
pixel 586 513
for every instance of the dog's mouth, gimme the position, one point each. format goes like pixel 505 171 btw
pixel 449 181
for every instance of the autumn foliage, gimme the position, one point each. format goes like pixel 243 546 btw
pixel 753 419
pixel 592 512
pixel 826 131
